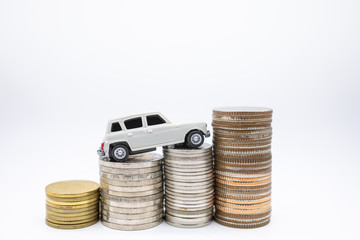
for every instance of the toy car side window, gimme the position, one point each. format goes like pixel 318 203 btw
pixel 115 127
pixel 133 123
pixel 154 120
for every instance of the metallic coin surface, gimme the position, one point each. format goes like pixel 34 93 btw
pixel 68 207
pixel 72 210
pixel 132 210
pixel 133 177
pixel 68 203
pixel 132 216
pixel 130 183
pixel 128 227
pixel 72 188
pixel 133 194
pixel 134 161
pixel 72 214
pixel 71 226
pixel 73 199
pixel 130 171
pixel 132 221
pixel 130 188
pixel 51 217
pixel 92 218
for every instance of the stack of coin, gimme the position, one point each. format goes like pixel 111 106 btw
pixel 189 186
pixel 72 204
pixel 242 153
pixel 132 192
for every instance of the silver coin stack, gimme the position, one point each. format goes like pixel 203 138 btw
pixel 132 192
pixel 189 186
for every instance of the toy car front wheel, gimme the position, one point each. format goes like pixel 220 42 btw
pixel 195 139
pixel 120 153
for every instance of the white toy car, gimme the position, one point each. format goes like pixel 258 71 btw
pixel 144 132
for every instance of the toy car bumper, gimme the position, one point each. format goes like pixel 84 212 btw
pixel 207 133
pixel 101 153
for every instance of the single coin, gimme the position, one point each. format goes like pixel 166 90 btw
pixel 130 171
pixel 186 209
pixel 68 203
pixel 131 204
pixel 134 161
pixel 130 188
pixel 133 194
pixel 179 225
pixel 72 210
pixel 241 211
pixel 188 184
pixel 93 218
pixel 186 150
pixel 189 214
pixel 237 189
pixel 197 193
pixel 189 221
pixel 242 225
pixel 244 216
pixel 209 177
pixel 72 226
pixel 189 162
pixel 189 187
pixel 132 221
pixel 245 206
pixel 188 170
pixel 246 176
pixel 132 216
pixel 70 214
pixel 190 200
pixel 127 227
pixel 242 221
pixel 177 173
pixel 189 197
pixel 244 197
pixel 131 199
pixel 54 218
pixel 129 183
pixel 134 210
pixel 72 188
pixel 138 177
pixel 193 192
pixel 74 199
pixel 188 167
pixel 189 206
pixel 86 205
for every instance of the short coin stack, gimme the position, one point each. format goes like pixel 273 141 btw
pixel 72 204
pixel 242 152
pixel 132 192
pixel 189 186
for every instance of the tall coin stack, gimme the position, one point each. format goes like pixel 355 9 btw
pixel 189 186
pixel 72 204
pixel 242 153
pixel 132 192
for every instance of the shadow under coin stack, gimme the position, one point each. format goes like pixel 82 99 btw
pixel 132 192
pixel 242 153
pixel 189 186
pixel 72 204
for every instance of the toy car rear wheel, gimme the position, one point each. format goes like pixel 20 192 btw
pixel 120 153
pixel 194 139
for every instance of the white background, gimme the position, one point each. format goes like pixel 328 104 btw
pixel 66 67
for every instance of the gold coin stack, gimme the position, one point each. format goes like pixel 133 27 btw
pixel 242 153
pixel 132 192
pixel 72 204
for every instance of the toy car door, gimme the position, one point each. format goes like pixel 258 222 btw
pixel 136 135
pixel 159 132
